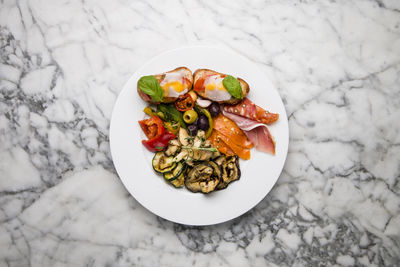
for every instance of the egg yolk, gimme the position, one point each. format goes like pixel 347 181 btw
pixel 212 86
pixel 176 86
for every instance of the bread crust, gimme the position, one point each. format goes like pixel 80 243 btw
pixel 188 75
pixel 198 74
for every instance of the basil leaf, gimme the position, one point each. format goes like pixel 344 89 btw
pixel 232 85
pixel 150 86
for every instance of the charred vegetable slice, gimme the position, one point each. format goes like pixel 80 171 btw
pixel 162 163
pixel 230 170
pixel 175 173
pixel 217 170
pixel 180 181
pixel 203 177
pixel 220 161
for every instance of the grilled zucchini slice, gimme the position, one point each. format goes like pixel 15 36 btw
pixel 180 181
pixel 162 164
pixel 175 173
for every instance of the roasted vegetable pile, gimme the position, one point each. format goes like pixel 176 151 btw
pixel 193 162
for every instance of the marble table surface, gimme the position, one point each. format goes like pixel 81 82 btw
pixel 336 65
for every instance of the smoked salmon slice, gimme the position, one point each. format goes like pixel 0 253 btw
pixel 243 153
pixel 220 145
pixel 231 131
pixel 248 109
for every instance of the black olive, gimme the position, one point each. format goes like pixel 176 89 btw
pixel 202 122
pixel 192 129
pixel 214 109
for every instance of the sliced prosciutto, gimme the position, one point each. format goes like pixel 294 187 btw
pixel 257 133
pixel 248 109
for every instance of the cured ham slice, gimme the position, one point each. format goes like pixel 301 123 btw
pixel 258 133
pixel 248 109
pixel 262 139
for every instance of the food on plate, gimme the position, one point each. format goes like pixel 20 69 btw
pixel 172 126
pixel 230 170
pixel 220 144
pixel 242 152
pixel 184 102
pixel 207 176
pixel 167 112
pixel 227 127
pixel 204 103
pixel 194 148
pixel 193 95
pixel 162 163
pixel 192 129
pixel 199 135
pixel 214 109
pixel 219 87
pixel 152 127
pixel 165 87
pixel 257 133
pixel 203 177
pixel 248 109
pixel 252 119
pixel 158 138
pixel 202 122
pixel 190 116
pixel 205 121
pixel 232 136
pixel 181 154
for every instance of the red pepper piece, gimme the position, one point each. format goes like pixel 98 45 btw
pixel 152 127
pixel 158 143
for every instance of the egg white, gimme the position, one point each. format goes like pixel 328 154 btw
pixel 219 93
pixel 170 90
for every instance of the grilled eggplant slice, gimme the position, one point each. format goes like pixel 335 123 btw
pixel 220 161
pixel 203 177
pixel 162 163
pixel 230 170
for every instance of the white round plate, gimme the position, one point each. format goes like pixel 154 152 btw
pixel 133 162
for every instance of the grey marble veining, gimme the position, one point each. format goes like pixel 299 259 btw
pixel 336 65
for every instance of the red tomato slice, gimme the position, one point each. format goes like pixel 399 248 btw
pixel 152 127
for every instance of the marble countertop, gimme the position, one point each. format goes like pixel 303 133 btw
pixel 335 64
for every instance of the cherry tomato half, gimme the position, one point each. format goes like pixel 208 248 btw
pixel 184 102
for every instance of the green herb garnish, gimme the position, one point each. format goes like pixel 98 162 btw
pixel 150 86
pixel 232 85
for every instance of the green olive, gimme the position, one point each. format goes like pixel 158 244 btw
pixel 190 116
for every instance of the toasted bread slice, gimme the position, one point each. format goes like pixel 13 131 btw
pixel 183 74
pixel 199 77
